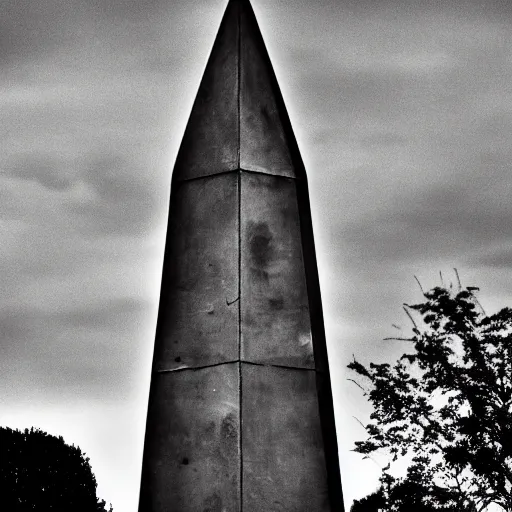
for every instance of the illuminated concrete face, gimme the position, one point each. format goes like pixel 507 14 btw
pixel 240 412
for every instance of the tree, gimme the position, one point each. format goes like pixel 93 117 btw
pixel 40 472
pixel 371 503
pixel 444 409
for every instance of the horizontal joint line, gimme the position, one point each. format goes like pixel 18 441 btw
pixel 271 365
pixel 223 173
pixel 268 365
pixel 183 368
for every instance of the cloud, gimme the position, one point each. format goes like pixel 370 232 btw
pixel 96 315
pixel 72 349
pixel 43 169
pixel 102 315
pixel 382 138
pixel 35 28
pixel 500 258
pixel 102 195
pixel 122 201
pixel 404 118
pixel 447 221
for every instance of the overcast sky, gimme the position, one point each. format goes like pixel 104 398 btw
pixel 403 114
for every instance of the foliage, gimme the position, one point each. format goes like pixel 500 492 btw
pixel 371 503
pixel 40 472
pixel 445 408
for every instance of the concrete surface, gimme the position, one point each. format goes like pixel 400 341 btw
pixel 275 313
pixel 283 452
pixel 198 317
pixel 240 412
pixel 191 453
pixel 210 142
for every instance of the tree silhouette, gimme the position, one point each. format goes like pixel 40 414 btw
pixel 371 503
pixel 40 472
pixel 445 409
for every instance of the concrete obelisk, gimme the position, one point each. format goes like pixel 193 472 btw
pixel 240 414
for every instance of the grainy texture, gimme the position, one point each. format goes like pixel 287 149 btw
pixel 275 313
pixel 191 459
pixel 263 138
pixel 198 317
pixel 283 451
pixel 240 412
pixel 210 142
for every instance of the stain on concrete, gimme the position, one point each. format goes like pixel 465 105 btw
pixel 200 271
pixel 283 451
pixel 213 503
pixel 191 450
pixel 276 322
pixel 228 429
pixel 276 303
pixel 229 436
pixel 260 244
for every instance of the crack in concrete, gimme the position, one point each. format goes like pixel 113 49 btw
pixel 237 361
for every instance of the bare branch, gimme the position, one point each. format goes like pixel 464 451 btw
pixel 409 315
pixel 360 423
pixel 359 386
pixel 458 279
pixel 479 305
pixel 421 287
pixel 371 458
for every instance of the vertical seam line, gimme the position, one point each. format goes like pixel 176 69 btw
pixel 239 76
pixel 240 335
pixel 239 73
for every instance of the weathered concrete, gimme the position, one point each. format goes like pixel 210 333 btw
pixel 210 143
pixel 283 452
pixel 240 410
pixel 238 119
pixel 198 320
pixel 191 453
pixel 275 313
pixel 263 138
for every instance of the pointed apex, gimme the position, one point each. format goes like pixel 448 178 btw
pixel 239 120
pixel 210 142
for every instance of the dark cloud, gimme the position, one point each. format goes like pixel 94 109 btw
pixel 121 202
pixel 111 315
pixel 382 139
pixel 444 221
pixel 99 315
pixel 402 110
pixel 34 28
pixel 95 195
pixel 43 169
pixel 69 349
pixel 124 10
pixel 501 258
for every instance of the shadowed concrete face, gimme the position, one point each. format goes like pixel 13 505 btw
pixel 275 312
pixel 283 447
pixel 264 125
pixel 238 119
pixel 192 440
pixel 200 287
pixel 210 142
pixel 240 412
